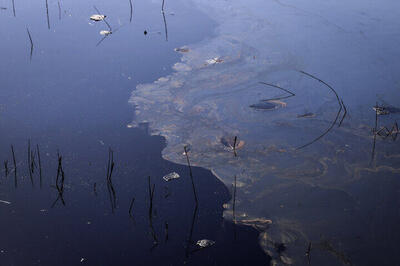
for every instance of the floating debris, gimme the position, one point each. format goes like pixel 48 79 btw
pixel 82 260
pixel 97 17
pixel 229 142
pixel 171 176
pixel 105 32
pixel 385 110
pixel 5 202
pixel 205 243
pixel 183 49
pixel 214 60
pixel 268 105
pixel 306 115
pixel 145 32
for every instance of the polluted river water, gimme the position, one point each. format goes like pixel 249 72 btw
pixel 286 113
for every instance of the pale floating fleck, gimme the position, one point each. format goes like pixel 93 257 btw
pixel 226 206
pixel 205 243
pixel 82 260
pixel 130 125
pixel 230 141
pixel 5 202
pixel 105 32
pixel 97 17
pixel 89 222
pixel 214 60
pixel 183 49
pixel 43 210
pixel 181 67
pixel 171 176
pixel 101 142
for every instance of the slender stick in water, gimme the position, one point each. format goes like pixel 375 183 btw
pixel 191 175
pixel 30 39
pixel 15 167
pixel 94 189
pixel 166 231
pixel 162 6
pixel 234 146
pixel 131 8
pixel 165 27
pixel 29 161
pixel 47 13
pixel 59 10
pixel 131 206
pixel 6 167
pixel 40 165
pixel 13 4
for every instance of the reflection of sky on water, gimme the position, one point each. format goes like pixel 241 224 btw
pixel 321 193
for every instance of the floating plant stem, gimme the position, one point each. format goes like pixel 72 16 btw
pixel 6 167
pixel 278 98
pixel 13 4
pixel 337 116
pixel 110 186
pixel 234 146
pixel 345 113
pixel 191 175
pixel 40 165
pixel 165 26
pixel 308 253
pixel 131 206
pixel 29 161
pixel 104 19
pixel 131 9
pixel 47 14
pixel 15 167
pixel 30 39
pixel 94 189
pixel 59 10
pixel 166 231
pixel 374 142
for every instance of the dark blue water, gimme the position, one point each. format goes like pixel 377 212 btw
pixel 71 97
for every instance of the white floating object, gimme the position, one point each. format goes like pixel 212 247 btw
pixel 82 260
pixel 97 17
pixel 5 202
pixel 205 243
pixel 105 32
pixel 214 60
pixel 171 176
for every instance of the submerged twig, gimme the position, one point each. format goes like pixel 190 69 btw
pixel 30 39
pixel 47 13
pixel 308 253
pixel 59 10
pixel 15 167
pixel 191 175
pixel 104 19
pixel 375 133
pixel 6 167
pixel 165 26
pixel 13 4
pixel 131 206
pixel 151 195
pixel 278 98
pixel 166 231
pixel 131 9
pixel 234 146
pixel 94 189
pixel 162 6
pixel 189 241
pixel 337 116
pixel 40 166
pixel 345 113
pixel 29 161
pixel 110 186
